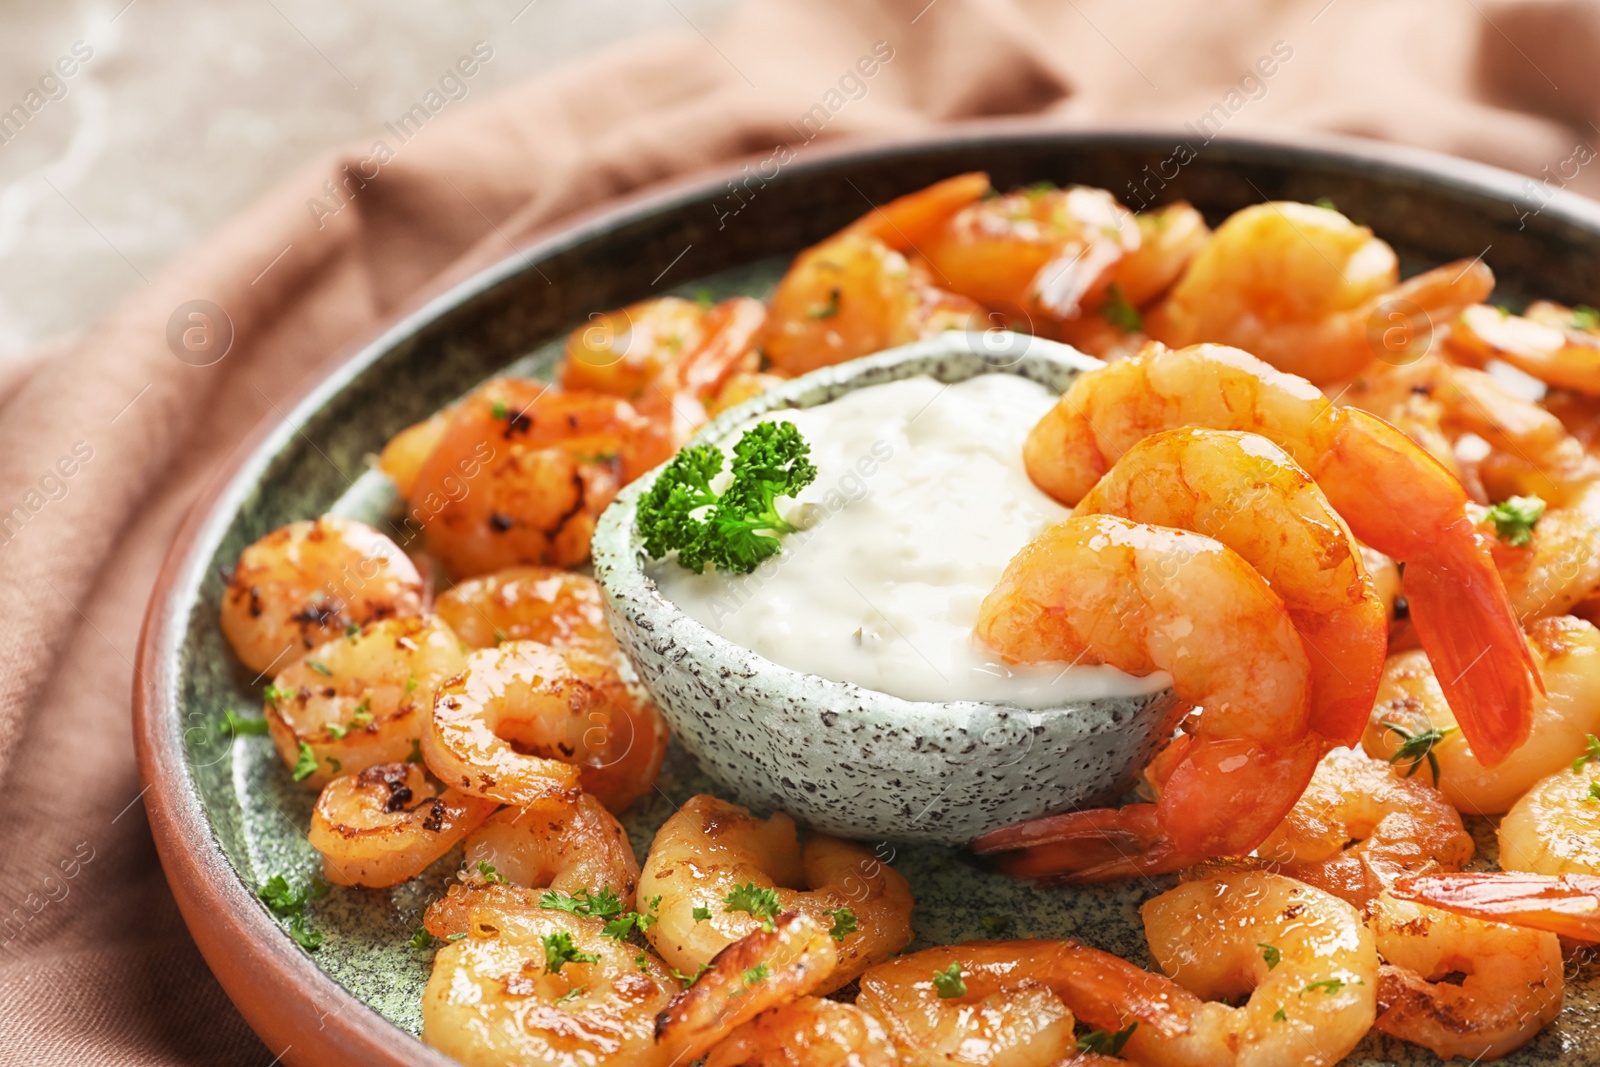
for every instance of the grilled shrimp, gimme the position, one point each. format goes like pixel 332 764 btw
pixel 709 848
pixel 543 604
pixel 1395 498
pixel 808 1032
pixel 1360 827
pixel 363 699
pixel 764 969
pixel 1549 341
pixel 1143 598
pixel 1555 827
pixel 522 472
pixel 1309 291
pixel 530 985
pixel 530 725
pixel 1243 491
pixel 1009 1008
pixel 308 581
pixel 515 853
pixel 386 824
pixel 1512 986
pixel 1411 713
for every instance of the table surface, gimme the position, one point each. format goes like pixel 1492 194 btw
pixel 186 110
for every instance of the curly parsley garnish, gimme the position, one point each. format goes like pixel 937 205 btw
pixel 1106 1044
pixel 738 529
pixel 947 983
pixel 289 904
pixel 560 951
pixel 1514 519
pixel 758 901
pixel 490 875
pixel 844 923
pixel 600 905
pixel 1418 747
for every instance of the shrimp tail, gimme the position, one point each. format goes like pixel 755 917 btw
pixel 1221 798
pixel 1460 611
pixel 1568 905
pixel 907 221
pixel 1110 994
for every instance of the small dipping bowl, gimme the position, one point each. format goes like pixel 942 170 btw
pixel 843 758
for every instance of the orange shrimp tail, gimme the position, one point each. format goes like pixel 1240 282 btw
pixel 906 222
pixel 1568 905
pixel 1460 612
pixel 1222 798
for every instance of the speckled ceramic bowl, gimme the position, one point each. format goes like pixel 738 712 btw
pixel 851 760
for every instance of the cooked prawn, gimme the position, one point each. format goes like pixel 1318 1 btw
pixel 1411 711
pixel 1143 598
pixel 709 848
pixel 1512 986
pixel 1170 237
pixel 571 850
pixel 1394 497
pixel 402 458
pixel 1011 1008
pixel 808 1032
pixel 1555 827
pixel 1360 827
pixel 308 581
pixel 522 472
pixel 530 725
pixel 761 970
pixel 511 993
pixel 362 699
pixel 1548 341
pixel 1310 292
pixel 1243 491
pixel 387 824
pixel 543 604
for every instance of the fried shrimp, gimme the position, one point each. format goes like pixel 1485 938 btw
pixel 308 581
pixel 522 472
pixel 1143 598
pixel 360 700
pixel 1360 827
pixel 721 872
pixel 543 604
pixel 1555 827
pixel 531 725
pixel 1243 491
pixel 574 850
pixel 983 1002
pixel 808 1032
pixel 1392 494
pixel 1551 342
pixel 530 985
pixel 1512 986
pixel 763 969
pixel 1308 291
pixel 1412 722
pixel 385 825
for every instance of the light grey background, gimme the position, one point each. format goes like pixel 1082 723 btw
pixel 189 109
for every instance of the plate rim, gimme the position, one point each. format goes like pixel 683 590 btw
pixel 320 1020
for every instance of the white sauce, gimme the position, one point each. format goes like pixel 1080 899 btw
pixel 920 501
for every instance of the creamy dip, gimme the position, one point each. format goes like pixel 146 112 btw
pixel 919 503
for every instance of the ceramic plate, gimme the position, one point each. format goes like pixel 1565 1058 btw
pixel 226 815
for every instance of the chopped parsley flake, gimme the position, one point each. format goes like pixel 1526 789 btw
pixel 602 905
pixel 948 982
pixel 1119 313
pixel 1585 317
pixel 306 763
pixel 560 951
pixel 239 726
pixel 844 923
pixel 759 901
pixel 289 904
pixel 320 667
pixel 1514 519
pixel 702 914
pixel 490 875
pixel 1271 954
pixel 1593 751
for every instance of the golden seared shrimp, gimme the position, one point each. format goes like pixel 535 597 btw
pixel 1555 344
pixel 523 470
pixel 362 699
pixel 543 604
pixel 308 581
pixel 983 1002
pixel 1512 987
pixel 530 985
pixel 1360 827
pixel 853 295
pixel 762 970
pixel 1567 905
pixel 1169 239
pixel 1412 714
pixel 1144 598
pixel 386 825
pixel 1391 493
pixel 576 850
pixel 808 1032
pixel 735 870
pixel 531 725
pixel 1310 292
pixel 402 458
pixel 1554 828
pixel 1040 254
pixel 1245 492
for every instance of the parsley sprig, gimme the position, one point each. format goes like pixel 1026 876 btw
pixel 560 951
pixel 289 904
pixel 759 901
pixel 1515 518
pixel 737 529
pixel 603 904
